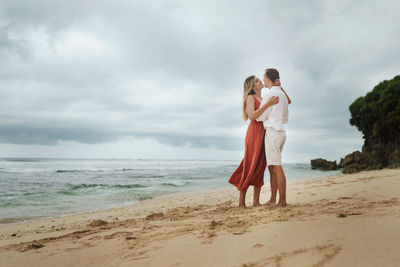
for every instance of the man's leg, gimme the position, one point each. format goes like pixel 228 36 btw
pixel 274 186
pixel 274 141
pixel 281 183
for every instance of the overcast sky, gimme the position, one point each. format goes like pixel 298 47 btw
pixel 164 79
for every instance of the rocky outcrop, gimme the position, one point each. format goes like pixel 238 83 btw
pixel 354 162
pixel 377 116
pixel 323 164
pixel 371 159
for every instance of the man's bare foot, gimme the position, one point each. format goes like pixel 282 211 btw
pixel 281 205
pixel 256 204
pixel 242 206
pixel 270 203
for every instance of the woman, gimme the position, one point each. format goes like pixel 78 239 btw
pixel 251 169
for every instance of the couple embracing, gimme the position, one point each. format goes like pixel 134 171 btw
pixel 265 138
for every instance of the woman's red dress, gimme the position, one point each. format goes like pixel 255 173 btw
pixel 251 169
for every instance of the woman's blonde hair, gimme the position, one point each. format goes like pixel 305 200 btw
pixel 247 90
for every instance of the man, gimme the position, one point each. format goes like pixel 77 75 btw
pixel 275 136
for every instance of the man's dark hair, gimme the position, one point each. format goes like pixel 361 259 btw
pixel 272 74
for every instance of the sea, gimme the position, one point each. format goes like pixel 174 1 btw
pixel 38 188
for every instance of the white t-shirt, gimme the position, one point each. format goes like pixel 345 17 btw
pixel 276 115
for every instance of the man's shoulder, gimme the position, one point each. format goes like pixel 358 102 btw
pixel 277 92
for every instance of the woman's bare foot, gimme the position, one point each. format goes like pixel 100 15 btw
pixel 256 204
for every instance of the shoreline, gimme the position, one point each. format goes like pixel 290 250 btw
pixel 166 230
pixel 72 221
pixel 168 195
pixel 105 210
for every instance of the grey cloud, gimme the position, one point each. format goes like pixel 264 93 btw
pixel 170 45
pixel 52 136
pixel 215 142
pixel 174 71
pixel 12 48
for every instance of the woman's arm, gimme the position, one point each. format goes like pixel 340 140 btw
pixel 278 83
pixel 288 99
pixel 254 114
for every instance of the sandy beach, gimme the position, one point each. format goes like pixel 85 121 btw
pixel 345 220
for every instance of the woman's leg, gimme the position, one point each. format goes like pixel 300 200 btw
pixel 256 196
pixel 242 199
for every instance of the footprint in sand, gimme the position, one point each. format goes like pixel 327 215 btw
pixel 214 224
pixel 344 198
pixel 31 245
pixel 118 234
pixel 316 256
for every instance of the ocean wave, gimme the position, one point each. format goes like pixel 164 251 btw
pixel 139 171
pixel 81 186
pixel 144 197
pixel 128 173
pixel 11 204
pixel 229 166
pixel 175 185
pixel 141 176
pixel 62 171
pixel 65 192
pixel 19 160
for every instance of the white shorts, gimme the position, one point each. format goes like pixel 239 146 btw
pixel 274 141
